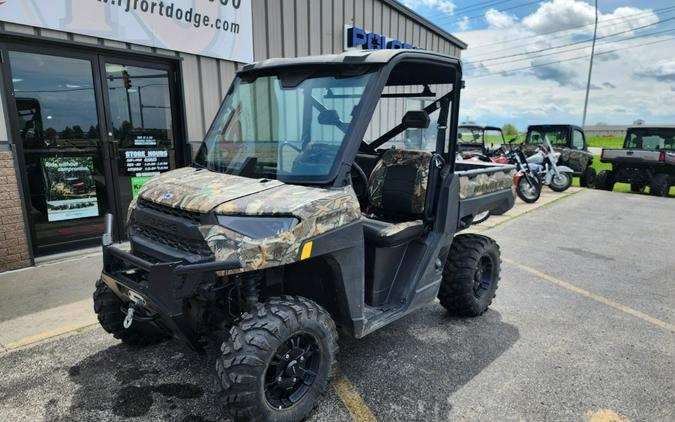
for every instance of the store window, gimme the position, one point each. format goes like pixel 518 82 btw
pixel 90 130
pixel 58 124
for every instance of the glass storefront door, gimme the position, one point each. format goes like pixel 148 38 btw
pixel 89 131
pixel 140 123
pixel 63 162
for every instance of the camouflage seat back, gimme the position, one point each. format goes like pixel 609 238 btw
pixel 398 183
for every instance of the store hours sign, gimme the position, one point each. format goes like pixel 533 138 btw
pixel 214 28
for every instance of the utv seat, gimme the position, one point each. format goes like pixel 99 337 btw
pixel 397 189
pixel 384 234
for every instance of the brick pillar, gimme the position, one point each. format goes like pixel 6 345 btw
pixel 13 243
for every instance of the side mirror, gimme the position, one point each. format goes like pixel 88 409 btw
pixel 416 119
pixel 512 140
pixel 329 118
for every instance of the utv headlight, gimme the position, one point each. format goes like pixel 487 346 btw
pixel 257 227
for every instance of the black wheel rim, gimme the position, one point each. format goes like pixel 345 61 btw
pixel 483 276
pixel 292 371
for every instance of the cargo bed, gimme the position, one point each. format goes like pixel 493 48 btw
pixel 484 187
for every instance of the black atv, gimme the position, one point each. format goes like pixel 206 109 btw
pixel 290 225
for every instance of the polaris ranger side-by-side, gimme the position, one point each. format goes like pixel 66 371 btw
pixel 291 222
pixel 646 159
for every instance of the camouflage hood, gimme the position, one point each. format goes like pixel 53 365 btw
pixel 318 211
pixel 200 190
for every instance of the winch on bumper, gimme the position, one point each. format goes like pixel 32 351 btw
pixel 158 289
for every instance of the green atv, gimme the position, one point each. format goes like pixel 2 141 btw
pixel 290 225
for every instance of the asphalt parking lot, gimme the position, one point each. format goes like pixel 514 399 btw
pixel 583 328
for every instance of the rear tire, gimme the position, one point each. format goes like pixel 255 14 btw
pixel 108 310
pixel 470 275
pixel 564 183
pixel 528 193
pixel 278 360
pixel 605 180
pixel 637 188
pixel 660 185
pixel 587 179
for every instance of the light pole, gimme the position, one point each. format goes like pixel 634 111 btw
pixel 590 67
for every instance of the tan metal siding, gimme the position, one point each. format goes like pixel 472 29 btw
pixel 285 28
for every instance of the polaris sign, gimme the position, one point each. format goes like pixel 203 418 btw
pixel 360 38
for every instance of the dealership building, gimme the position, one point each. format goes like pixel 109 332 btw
pixel 100 95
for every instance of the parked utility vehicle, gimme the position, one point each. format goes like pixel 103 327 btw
pixel 570 141
pixel 646 159
pixel 290 223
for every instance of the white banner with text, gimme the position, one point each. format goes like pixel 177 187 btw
pixel 213 28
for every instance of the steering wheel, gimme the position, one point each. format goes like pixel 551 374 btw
pixel 359 182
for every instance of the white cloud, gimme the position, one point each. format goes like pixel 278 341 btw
pixel 559 15
pixel 663 70
pixel 542 95
pixel 445 6
pixel 499 20
pixel 624 19
pixel 464 23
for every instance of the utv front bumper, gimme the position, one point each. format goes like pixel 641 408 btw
pixel 161 288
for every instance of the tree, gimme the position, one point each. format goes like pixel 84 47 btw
pixel 509 130
pixel 67 133
pixel 92 133
pixel 78 133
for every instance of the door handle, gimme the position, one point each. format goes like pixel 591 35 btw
pixel 114 149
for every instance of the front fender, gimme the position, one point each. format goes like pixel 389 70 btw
pixel 565 169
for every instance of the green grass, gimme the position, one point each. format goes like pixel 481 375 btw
pixel 604 142
pixel 618 187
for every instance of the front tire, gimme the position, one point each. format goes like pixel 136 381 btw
pixel 660 185
pixel 605 180
pixel 527 192
pixel 278 360
pixel 587 179
pixel 108 309
pixel 480 217
pixel 470 275
pixel 561 185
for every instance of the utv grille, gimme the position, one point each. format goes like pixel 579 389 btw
pixel 194 217
pixel 172 241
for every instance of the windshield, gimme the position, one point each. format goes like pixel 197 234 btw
pixel 557 137
pixel 652 140
pixel 470 135
pixel 281 129
pixel 494 136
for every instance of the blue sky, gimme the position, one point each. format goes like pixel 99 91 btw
pixel 529 87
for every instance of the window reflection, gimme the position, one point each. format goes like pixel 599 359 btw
pixel 55 101
pixel 58 127
pixel 140 106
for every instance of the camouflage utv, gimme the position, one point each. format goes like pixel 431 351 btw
pixel 570 141
pixel 292 223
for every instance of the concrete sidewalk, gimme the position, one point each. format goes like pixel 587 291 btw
pixel 54 297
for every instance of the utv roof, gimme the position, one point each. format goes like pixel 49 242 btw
pixel 555 125
pixel 347 58
pixel 662 127
pixel 481 127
